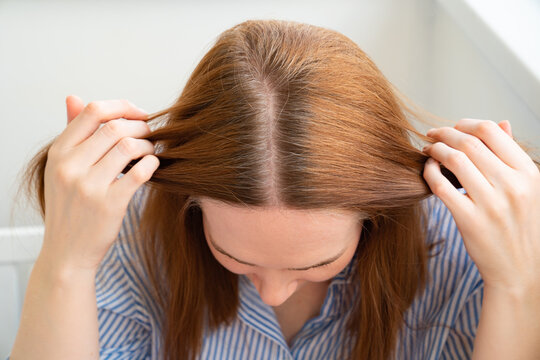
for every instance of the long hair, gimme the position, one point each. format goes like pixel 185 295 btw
pixel 280 113
pixel 283 114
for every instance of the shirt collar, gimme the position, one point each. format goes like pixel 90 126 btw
pixel 255 313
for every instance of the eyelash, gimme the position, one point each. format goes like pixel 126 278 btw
pixel 317 267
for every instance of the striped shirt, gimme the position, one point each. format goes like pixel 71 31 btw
pixel 451 300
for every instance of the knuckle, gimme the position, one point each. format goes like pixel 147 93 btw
pixel 146 127
pixel 456 159
pixel 139 174
pixel 519 192
pixel 85 189
pixel 439 189
pixel 128 146
pixel 113 128
pixel 142 127
pixel 471 144
pixel 533 171
pixel 486 127
pixel 64 174
pixel 499 212
pixel 438 146
pixel 94 107
pixel 495 214
pixel 149 148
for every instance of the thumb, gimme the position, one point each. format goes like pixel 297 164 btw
pixel 74 105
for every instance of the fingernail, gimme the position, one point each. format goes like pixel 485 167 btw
pixel 426 147
pixel 430 131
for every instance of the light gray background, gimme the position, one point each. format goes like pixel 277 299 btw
pixel 144 51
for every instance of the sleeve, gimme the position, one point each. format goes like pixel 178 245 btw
pixel 125 328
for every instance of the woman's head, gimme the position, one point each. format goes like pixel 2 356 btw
pixel 291 115
pixel 286 147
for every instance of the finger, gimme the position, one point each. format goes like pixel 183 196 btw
pixel 112 164
pixel 491 167
pixel 473 181
pixel 105 138
pixel 505 125
pixel 92 116
pixel 454 200
pixel 141 172
pixel 74 105
pixel 500 143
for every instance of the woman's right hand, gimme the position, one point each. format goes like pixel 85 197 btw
pixel 85 203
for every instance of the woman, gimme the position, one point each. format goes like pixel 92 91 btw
pixel 288 216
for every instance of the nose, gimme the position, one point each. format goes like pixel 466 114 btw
pixel 274 291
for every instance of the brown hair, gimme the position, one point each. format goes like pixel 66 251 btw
pixel 284 114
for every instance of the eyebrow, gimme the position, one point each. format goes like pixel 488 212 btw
pixel 322 263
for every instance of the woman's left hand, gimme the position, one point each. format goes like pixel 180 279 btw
pixel 499 216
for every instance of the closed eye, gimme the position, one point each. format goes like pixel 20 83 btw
pixel 309 268
pixel 320 265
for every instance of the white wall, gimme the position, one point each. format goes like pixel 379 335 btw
pixel 144 51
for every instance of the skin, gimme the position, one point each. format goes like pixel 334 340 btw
pixel 498 220
pixel 85 206
pixel 278 242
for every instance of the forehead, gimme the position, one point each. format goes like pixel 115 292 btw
pixel 264 227
pixel 212 206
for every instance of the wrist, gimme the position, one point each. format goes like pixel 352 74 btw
pixel 509 324
pixel 523 303
pixel 518 293
pixel 58 271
